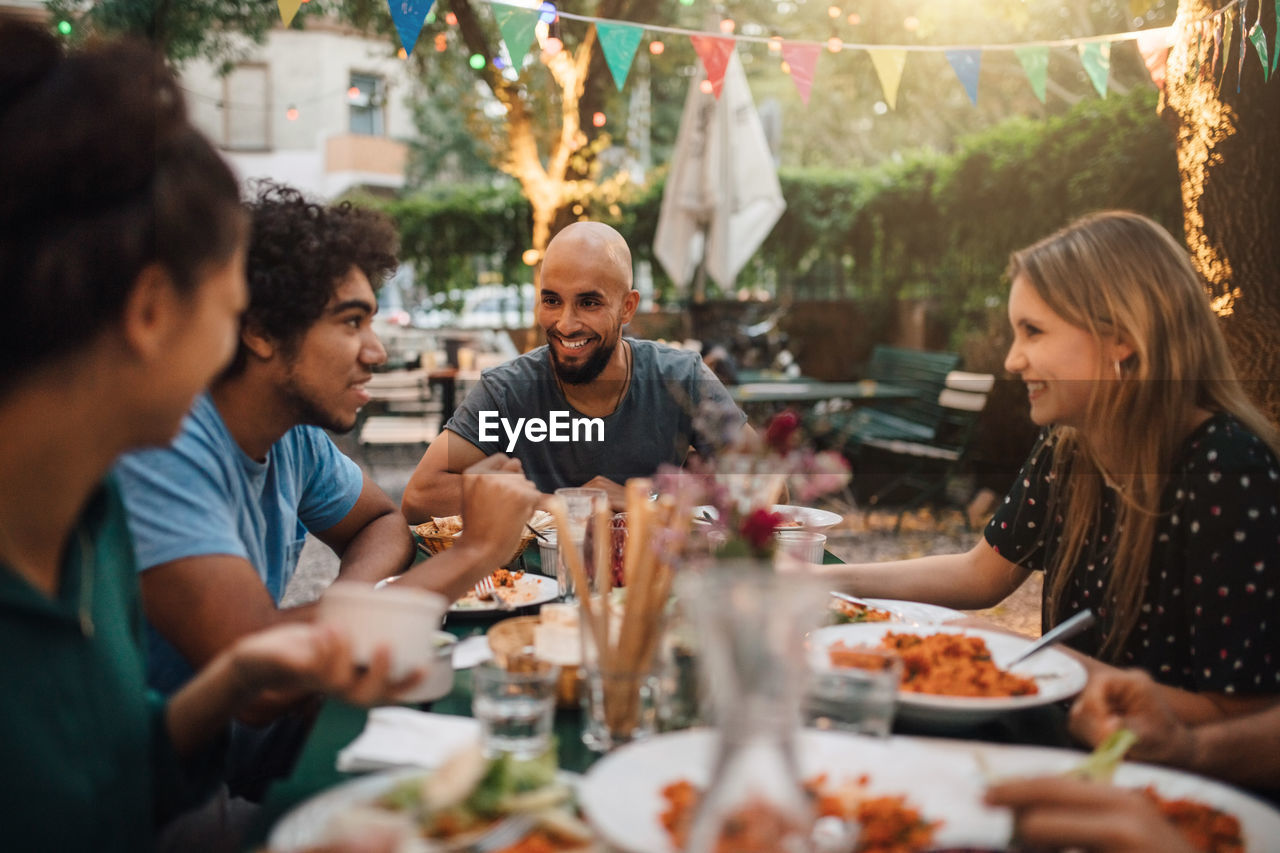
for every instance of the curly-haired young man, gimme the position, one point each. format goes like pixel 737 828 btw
pixel 220 516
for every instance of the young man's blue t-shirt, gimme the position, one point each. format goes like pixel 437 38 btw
pixel 203 495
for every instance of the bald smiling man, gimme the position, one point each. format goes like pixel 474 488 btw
pixel 591 408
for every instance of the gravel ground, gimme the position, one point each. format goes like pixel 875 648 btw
pixel 863 537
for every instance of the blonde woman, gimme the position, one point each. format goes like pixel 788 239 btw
pixel 1151 496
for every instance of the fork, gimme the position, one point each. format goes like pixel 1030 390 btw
pixel 504 833
pixel 484 588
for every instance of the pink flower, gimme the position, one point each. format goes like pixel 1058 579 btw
pixel 780 434
pixel 757 528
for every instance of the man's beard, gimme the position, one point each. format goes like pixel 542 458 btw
pixel 589 370
pixel 308 412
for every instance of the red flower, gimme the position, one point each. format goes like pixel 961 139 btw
pixel 781 431
pixel 757 528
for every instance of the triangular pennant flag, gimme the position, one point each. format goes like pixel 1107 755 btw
pixel 1228 31
pixel 1276 53
pixel 1240 61
pixel 1153 46
pixel 1217 44
pixel 409 16
pixel 1258 36
pixel 289 8
pixel 801 59
pixel 714 52
pixel 889 65
pixel 517 26
pixel 1096 57
pixel 966 64
pixel 619 43
pixel 1035 62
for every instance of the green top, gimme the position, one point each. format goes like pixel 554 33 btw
pixel 87 763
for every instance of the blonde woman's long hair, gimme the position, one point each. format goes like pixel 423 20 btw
pixel 1119 275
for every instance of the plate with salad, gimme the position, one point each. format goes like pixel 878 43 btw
pixel 440 810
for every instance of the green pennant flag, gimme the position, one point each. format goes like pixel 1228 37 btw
pixel 1035 62
pixel 516 26
pixel 1096 56
pixel 619 43
pixel 1276 54
pixel 1258 36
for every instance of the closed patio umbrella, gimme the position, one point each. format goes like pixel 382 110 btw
pixel 722 196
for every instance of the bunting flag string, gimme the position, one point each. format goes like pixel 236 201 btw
pixel 517 23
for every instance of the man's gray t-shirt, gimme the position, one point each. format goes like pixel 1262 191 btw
pixel 674 402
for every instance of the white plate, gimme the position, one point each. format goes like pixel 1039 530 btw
pixel 914 612
pixel 1057 675
pixel 809 518
pixel 622 800
pixel 306 825
pixel 530 589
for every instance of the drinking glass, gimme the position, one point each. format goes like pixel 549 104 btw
pixel 619 688
pixel 802 546
pixel 858 698
pixel 515 708
pixel 580 507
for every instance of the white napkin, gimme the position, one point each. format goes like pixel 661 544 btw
pixel 471 652
pixel 403 737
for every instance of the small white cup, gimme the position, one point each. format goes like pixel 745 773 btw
pixel 404 619
pixel 803 546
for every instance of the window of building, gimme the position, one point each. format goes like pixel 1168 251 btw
pixel 365 97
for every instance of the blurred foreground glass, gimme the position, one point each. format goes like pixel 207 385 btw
pixel 515 709
pixel 858 698
pixel 619 689
pixel 803 546
pixel 580 506
pixel 751 625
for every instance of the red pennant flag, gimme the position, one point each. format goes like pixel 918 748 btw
pixel 801 58
pixel 714 52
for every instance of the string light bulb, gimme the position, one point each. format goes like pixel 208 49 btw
pixel 833 12
pixel 442 42
pixel 911 23
pixel 451 19
pixel 786 67
pixel 834 44
pixel 727 25
pixel 705 87
pixel 64 27
pixel 854 19
pixel 476 61
pixel 775 44
pixel 656 47
pixel 598 119
pixel 353 92
pixel 530 257
pixel 292 113
pixel 548 13
pixel 552 46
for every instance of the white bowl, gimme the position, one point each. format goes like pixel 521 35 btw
pixel 439 678
pixel 404 619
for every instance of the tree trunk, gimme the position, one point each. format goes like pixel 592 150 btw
pixel 1227 145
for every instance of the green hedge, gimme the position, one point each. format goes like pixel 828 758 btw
pixel 939 226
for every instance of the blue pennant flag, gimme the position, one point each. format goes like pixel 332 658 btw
pixel 966 64
pixel 409 16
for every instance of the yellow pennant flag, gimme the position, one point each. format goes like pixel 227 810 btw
pixel 889 65
pixel 288 8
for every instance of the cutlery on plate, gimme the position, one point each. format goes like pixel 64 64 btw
pixel 536 532
pixel 504 833
pixel 1065 631
pixel 484 588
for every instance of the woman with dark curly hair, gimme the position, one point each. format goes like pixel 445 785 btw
pixel 122 271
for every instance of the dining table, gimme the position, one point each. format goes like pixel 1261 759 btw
pixel 338 724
